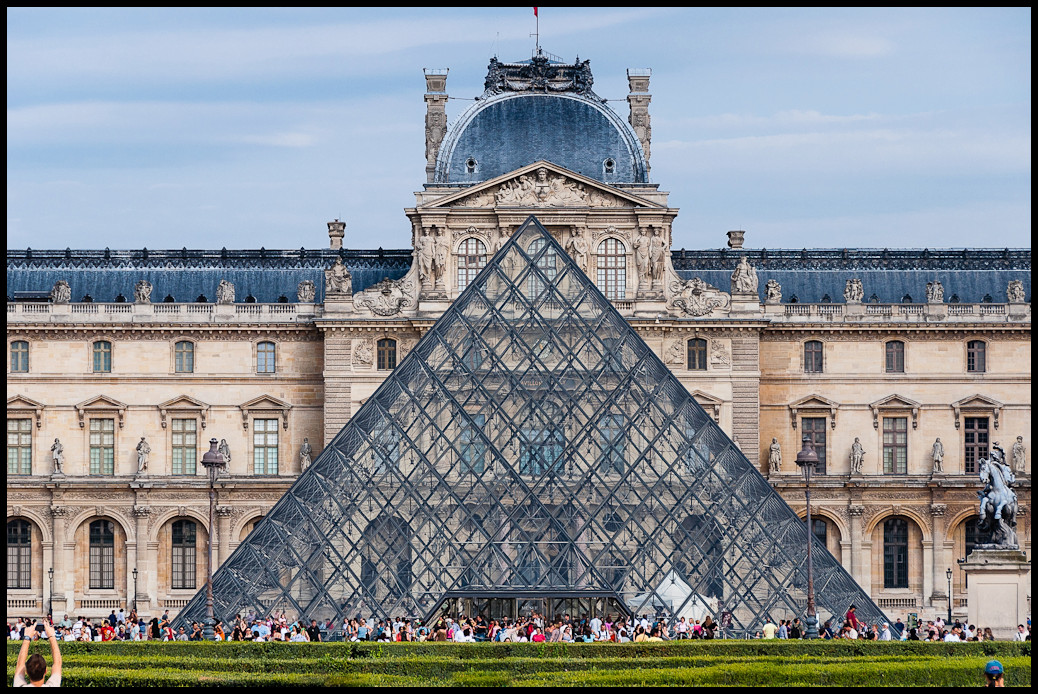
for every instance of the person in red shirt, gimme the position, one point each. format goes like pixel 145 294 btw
pixel 853 618
pixel 107 632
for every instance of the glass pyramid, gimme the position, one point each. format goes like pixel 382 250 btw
pixel 531 450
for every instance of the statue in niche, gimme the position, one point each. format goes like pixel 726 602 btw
pixel 641 255
pixel 1015 292
pixel 938 455
pixel 337 280
pixel 225 293
pixel 425 251
pixel 853 291
pixel 305 451
pixel 61 293
pixel 442 251
pixel 657 255
pixel 225 451
pixel 143 451
pixel 306 292
pixel 57 456
pixel 744 278
pixel 577 247
pixel 775 456
pixel 142 292
pixel 934 292
pixel 1019 454
pixel 773 292
pixel 857 457
pixel 998 502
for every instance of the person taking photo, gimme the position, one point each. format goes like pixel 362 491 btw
pixel 35 667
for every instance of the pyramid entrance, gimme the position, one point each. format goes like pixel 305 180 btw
pixel 531 453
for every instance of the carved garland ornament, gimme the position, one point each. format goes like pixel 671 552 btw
pixel 695 297
pixel 388 297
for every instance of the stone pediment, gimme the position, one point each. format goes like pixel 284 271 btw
pixel 541 185
pixel 264 404
pixel 814 404
pixel 895 402
pixel 977 403
pixel 101 403
pixel 18 404
pixel 184 403
pixel 709 403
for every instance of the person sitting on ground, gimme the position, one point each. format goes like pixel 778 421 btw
pixel 994 674
pixel 34 667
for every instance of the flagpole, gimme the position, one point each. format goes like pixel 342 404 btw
pixel 537 31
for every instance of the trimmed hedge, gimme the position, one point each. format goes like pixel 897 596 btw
pixel 746 663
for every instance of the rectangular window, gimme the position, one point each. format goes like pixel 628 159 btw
pixel 20 357
pixel 976 443
pixel 976 357
pixel 895 357
pixel 184 358
pixel 611 433
pixel 814 431
pixel 265 357
pixel 184 542
pixel 265 446
pixel 895 445
pixel 19 555
pixel 102 357
pixel 19 446
pixel 473 449
pixel 697 355
pixel 185 446
pixel 813 357
pixel 102 566
pixel 102 446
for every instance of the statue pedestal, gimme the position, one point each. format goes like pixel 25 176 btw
pixel 746 302
pixel 998 587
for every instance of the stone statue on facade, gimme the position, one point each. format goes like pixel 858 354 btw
pixel 857 457
pixel 641 256
pixel 938 455
pixel 389 297
pixel 142 292
pixel 425 252
pixel 853 291
pixel 657 256
pixel 934 292
pixel 1019 455
pixel 305 451
pixel 577 247
pixel 306 292
pixel 57 456
pixel 225 451
pixel 363 353
pixel 225 292
pixel 337 280
pixel 1015 292
pixel 695 297
pixel 744 278
pixel 772 292
pixel 143 451
pixel 442 252
pixel 998 503
pixel 775 456
pixel 61 293
pixel 676 353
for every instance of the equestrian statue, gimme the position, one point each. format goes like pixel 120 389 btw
pixel 998 500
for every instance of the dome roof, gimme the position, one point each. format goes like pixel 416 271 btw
pixel 540 110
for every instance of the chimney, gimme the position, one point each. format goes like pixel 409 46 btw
pixel 735 239
pixel 639 98
pixel 435 117
pixel 336 232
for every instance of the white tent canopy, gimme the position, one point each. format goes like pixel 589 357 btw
pixel 676 597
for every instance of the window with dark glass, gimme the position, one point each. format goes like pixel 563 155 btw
pixel 545 263
pixel 895 553
pixel 612 442
pixel 102 554
pixel 813 357
pixel 895 445
pixel 612 269
pixel 19 446
pixel 976 439
pixel 473 447
pixel 895 357
pixel 820 530
pixel 697 355
pixel 472 257
pixel 976 359
pixel 102 446
pixel 19 357
pixel 102 356
pixel 184 542
pixel 19 554
pixel 814 431
pixel 265 447
pixel 265 358
pixel 185 446
pixel 184 357
pixel 386 352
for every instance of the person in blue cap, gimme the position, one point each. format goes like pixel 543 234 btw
pixel 995 674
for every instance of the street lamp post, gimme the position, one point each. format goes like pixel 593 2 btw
pixel 948 573
pixel 806 461
pixel 213 462
pixel 50 595
pixel 135 589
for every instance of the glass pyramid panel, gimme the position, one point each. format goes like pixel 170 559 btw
pixel 531 445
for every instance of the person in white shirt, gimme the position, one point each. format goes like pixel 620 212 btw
pixel 77 628
pixel 884 634
pixel 595 624
pixel 1021 633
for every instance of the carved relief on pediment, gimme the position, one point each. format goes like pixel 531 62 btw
pixel 541 188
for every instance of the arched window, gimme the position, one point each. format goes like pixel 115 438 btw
pixel 19 357
pixel 895 357
pixel 546 264
pixel 976 356
pixel 813 357
pixel 183 554
pixel 102 357
pixel 184 357
pixel 697 354
pixel 472 257
pixel 386 353
pixel 612 269
pixel 102 554
pixel 266 358
pixel 19 554
pixel 895 553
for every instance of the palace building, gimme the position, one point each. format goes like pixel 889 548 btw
pixel 903 367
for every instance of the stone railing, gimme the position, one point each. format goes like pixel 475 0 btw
pixel 175 603
pixel 898 313
pixel 896 603
pixel 101 604
pixel 17 605
pixel 108 313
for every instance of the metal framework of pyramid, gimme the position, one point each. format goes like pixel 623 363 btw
pixel 531 445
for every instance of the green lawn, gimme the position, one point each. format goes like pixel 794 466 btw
pixel 743 663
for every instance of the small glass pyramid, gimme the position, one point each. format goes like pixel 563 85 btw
pixel 531 450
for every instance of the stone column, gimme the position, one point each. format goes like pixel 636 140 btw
pixel 137 557
pixel 857 514
pixel 435 117
pixel 638 99
pixel 58 514
pixel 223 525
pixel 940 557
pixel 928 574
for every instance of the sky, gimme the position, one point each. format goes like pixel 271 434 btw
pixel 248 128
